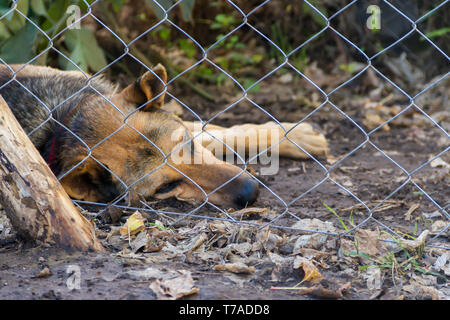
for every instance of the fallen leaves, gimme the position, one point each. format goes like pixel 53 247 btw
pixel 311 272
pixel 324 293
pixel 249 212
pixel 413 208
pixel 237 267
pixel 313 240
pixel 174 288
pixel 135 223
pixel 44 273
pixel 443 263
pixel 412 245
pixel 241 251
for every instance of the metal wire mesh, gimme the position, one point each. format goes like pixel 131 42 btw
pixel 285 63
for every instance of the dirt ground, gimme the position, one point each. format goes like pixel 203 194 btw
pixel 187 259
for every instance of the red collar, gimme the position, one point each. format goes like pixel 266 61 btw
pixel 52 154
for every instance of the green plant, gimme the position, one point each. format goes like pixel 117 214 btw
pixel 21 41
pixel 187 47
pixel 313 14
pixel 186 7
pixel 337 216
pixel 399 262
pixel 223 21
pixel 282 41
pixel 437 33
pixel 160 227
pixel 300 59
pixel 234 59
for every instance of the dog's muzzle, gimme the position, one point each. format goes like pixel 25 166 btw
pixel 244 191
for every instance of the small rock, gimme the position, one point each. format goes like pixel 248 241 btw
pixel 286 78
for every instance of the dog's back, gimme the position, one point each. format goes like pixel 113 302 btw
pixel 46 88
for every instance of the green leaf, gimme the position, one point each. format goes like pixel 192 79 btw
pixel 39 8
pixel 257 58
pixel 4 7
pixel 4 32
pixel 84 50
pixel 221 79
pixel 188 47
pixel 157 9
pixel 57 10
pixel 437 33
pixel 186 9
pixel 16 20
pixel 117 4
pixel 247 83
pixel 337 216
pixel 164 34
pixel 20 47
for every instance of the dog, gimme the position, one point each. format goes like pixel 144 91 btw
pixel 99 140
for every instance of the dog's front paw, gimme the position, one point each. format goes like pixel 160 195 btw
pixel 304 136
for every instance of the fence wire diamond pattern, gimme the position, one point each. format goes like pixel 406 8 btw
pixel 285 63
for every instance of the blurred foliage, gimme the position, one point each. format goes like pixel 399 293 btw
pixel 37 31
pixel 24 39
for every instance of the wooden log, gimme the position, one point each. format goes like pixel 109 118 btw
pixel 34 201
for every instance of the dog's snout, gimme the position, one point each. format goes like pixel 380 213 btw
pixel 246 192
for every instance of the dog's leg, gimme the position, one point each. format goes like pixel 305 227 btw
pixel 247 137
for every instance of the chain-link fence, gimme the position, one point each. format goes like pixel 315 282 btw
pixel 286 216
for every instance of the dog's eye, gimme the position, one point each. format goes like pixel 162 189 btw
pixel 168 186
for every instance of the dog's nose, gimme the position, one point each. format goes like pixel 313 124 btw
pixel 246 193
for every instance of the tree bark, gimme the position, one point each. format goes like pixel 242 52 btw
pixel 34 201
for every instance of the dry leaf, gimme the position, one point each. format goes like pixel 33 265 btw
pixel 438 162
pixel 196 243
pixel 246 212
pixel 315 240
pixel 148 274
pixel 154 245
pixel 438 226
pixel 139 242
pixel 344 288
pixel 416 289
pixel 237 267
pixel 44 273
pixel 218 228
pixel 321 292
pixel 414 244
pixel 442 263
pixel 368 243
pixel 312 274
pixel 135 223
pixel 411 210
pixel 175 288
pixel 311 253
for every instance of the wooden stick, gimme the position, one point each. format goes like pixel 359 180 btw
pixel 35 202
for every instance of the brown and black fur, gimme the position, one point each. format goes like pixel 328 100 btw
pixel 98 137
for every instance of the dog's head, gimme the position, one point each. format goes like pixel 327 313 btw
pixel 135 143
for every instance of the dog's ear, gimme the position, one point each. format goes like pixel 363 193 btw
pixel 149 87
pixel 90 182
